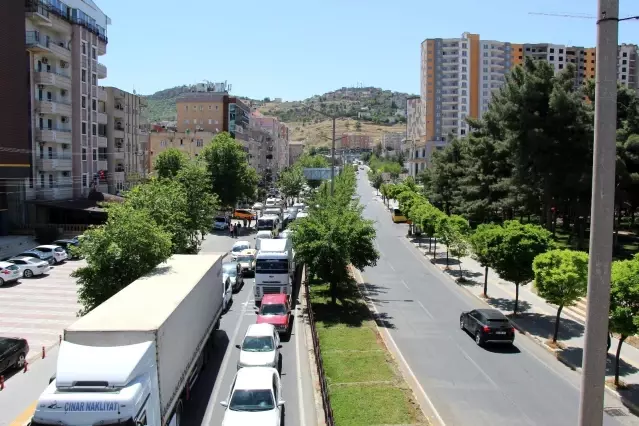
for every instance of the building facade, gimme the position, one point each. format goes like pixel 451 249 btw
pixel 127 138
pixel 276 150
pixel 354 140
pixel 460 75
pixel 392 141
pixel 190 143
pixel 295 151
pixel 414 147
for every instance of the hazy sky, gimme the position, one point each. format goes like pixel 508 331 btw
pixel 296 49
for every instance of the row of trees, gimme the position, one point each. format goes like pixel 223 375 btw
pixel 531 154
pixel 522 253
pixel 335 235
pixel 167 215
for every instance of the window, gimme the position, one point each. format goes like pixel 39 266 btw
pixel 186 108
pixel 31 182
pixel 210 121
pixel 94 105
pixel 94 53
pixel 210 107
pixel 84 180
pixel 41 180
pixel 94 79
pixel 199 142
pixel 95 154
pixel 84 127
pixel 216 107
pixel 50 181
pixel 84 101
pixel 84 154
pixel 186 121
pixel 201 107
pixel 94 129
pixel 84 47
pixel 50 152
pixel 84 76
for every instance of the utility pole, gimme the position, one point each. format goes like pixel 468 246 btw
pixel 601 216
pixel 333 159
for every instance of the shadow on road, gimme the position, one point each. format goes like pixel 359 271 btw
pixel 509 305
pixel 541 326
pixel 195 407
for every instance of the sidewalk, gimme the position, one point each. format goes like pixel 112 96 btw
pixel 536 319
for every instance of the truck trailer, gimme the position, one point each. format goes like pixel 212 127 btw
pixel 133 359
pixel 274 268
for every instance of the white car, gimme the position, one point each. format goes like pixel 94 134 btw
pixel 239 247
pixel 247 260
pixel 255 398
pixel 227 286
pixel 258 206
pixel 260 347
pixel 30 266
pixel 220 223
pixel 9 273
pixel 301 215
pixel 59 254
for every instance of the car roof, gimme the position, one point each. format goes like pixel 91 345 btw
pixel 66 240
pixel 33 250
pixel 260 330
pixel 268 299
pixel 5 264
pixel 27 258
pixel 241 243
pixel 263 232
pixel 230 264
pixel 254 378
pixel 47 246
pixel 491 313
pixel 249 251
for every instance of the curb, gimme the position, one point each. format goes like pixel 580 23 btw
pixel 317 395
pixel 556 352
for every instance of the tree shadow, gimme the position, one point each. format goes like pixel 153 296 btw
pixel 464 276
pixel 630 397
pixel 542 326
pixel 575 356
pixel 504 304
pixel 373 289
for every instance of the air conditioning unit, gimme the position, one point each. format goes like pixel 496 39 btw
pixel 65 174
pixel 45 60
pixel 64 64
pixel 63 92
pixel 65 119
pixel 41 86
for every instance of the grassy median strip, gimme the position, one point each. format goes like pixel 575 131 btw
pixel 365 386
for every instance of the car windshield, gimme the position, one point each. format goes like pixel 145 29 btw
pixel 252 400
pixel 272 266
pixel 244 259
pixel 276 309
pixel 230 269
pixel 220 219
pixel 241 248
pixel 258 344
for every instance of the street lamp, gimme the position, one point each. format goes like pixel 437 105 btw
pixel 332 117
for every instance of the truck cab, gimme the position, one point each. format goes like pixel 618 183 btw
pixel 269 223
pixel 274 268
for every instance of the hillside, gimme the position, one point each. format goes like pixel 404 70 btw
pixel 377 110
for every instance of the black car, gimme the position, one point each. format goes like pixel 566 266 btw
pixel 67 244
pixel 13 352
pixel 487 326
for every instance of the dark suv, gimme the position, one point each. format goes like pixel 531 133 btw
pixel 487 325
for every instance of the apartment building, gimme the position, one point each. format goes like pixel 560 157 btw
pixel 190 143
pixel 295 151
pixel 353 140
pixel 414 146
pixel 392 141
pixel 276 152
pixel 460 75
pixel 126 135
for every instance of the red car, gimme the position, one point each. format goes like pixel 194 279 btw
pixel 275 309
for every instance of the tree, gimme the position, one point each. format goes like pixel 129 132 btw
pixel 335 235
pixel 480 240
pixel 168 163
pixel 166 202
pixel 358 126
pixel 201 204
pixel 561 277
pixel 624 303
pixel 230 175
pixel 451 229
pixel 316 161
pixel 459 248
pixel 513 251
pixel 129 245
pixel 377 181
pixel 291 182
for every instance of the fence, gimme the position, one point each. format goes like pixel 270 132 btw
pixel 64 228
pixel 326 401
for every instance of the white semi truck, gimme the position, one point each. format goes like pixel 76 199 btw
pixel 274 268
pixel 133 359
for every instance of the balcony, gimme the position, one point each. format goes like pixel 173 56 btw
pixel 102 95
pixel 118 132
pixel 55 192
pixel 58 49
pixel 102 118
pixel 54 164
pixel 118 111
pixel 35 43
pixel 39 15
pixel 119 154
pixel 53 79
pixel 53 106
pixel 102 71
pixel 102 164
pixel 59 135
pixel 102 141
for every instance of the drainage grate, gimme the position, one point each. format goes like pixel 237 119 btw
pixel 615 412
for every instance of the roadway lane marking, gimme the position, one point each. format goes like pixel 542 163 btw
pixel 426 310
pixel 210 407
pixel 385 332
pixel 405 285
pixel 300 391
pixel 393 268
pixel 25 416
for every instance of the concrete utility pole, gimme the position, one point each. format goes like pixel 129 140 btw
pixel 333 159
pixel 601 216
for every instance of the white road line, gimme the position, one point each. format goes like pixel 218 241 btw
pixel 403 360
pixel 426 310
pixel 210 407
pixel 405 285
pixel 300 391
pixel 393 268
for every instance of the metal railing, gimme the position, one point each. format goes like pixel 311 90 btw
pixel 55 157
pixel 32 38
pixel 326 401
pixel 54 129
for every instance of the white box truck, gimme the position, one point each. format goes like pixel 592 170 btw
pixel 274 268
pixel 133 359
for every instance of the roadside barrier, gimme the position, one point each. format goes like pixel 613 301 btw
pixel 326 401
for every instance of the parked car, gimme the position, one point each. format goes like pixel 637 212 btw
pixel 232 272
pixel 275 309
pixel 254 398
pixel 260 347
pixel 220 223
pixel 48 257
pixel 227 295
pixel 30 266
pixel 58 253
pixel 239 247
pixel 244 214
pixel 246 259
pixel 67 244
pixel 487 325
pixel 13 352
pixel 9 273
pixel 257 206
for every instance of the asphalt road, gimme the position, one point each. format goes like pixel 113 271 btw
pixel 18 399
pixel 467 384
pixel 215 382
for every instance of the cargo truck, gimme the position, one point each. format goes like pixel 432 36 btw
pixel 274 268
pixel 133 359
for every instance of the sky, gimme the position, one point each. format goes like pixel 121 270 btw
pixel 296 49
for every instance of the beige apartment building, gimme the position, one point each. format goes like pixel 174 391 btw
pixel 190 143
pixel 127 138
pixel 64 41
pixel 295 151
